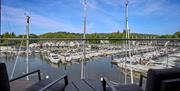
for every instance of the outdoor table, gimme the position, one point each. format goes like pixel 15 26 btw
pixel 84 85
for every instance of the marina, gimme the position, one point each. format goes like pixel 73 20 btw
pixel 109 61
pixel 57 53
pixel 143 58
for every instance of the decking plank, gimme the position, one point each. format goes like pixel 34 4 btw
pixel 20 85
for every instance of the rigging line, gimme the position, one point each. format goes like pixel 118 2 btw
pixel 16 59
pixel 8 16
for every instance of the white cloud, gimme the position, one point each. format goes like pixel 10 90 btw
pixel 151 7
pixel 16 16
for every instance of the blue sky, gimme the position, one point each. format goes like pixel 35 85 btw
pixel 103 16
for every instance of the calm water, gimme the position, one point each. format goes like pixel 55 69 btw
pixel 95 68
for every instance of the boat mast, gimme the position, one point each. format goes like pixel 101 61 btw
pixel 126 20
pixel 127 37
pixel 84 36
pixel 0 42
pixel 27 46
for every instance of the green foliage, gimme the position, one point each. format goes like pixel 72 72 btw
pixel 7 35
pixel 177 34
pixel 80 35
pixel 61 35
pixel 166 36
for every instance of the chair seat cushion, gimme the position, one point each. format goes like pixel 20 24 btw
pixel 129 87
pixel 37 86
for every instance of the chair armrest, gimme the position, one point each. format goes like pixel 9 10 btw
pixel 141 79
pixel 36 71
pixel 106 81
pixel 57 80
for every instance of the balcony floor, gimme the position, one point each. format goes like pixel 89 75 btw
pixel 20 85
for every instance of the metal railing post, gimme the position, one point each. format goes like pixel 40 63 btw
pixel 66 80
pixel 104 84
pixel 39 75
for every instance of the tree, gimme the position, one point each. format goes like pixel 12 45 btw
pixel 177 34
pixel 13 35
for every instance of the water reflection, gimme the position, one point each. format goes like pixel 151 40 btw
pixel 95 68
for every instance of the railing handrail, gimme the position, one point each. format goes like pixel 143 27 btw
pixel 165 39
pixel 36 71
pixel 55 81
pixel 106 81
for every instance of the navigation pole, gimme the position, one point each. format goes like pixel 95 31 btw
pixel 84 36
